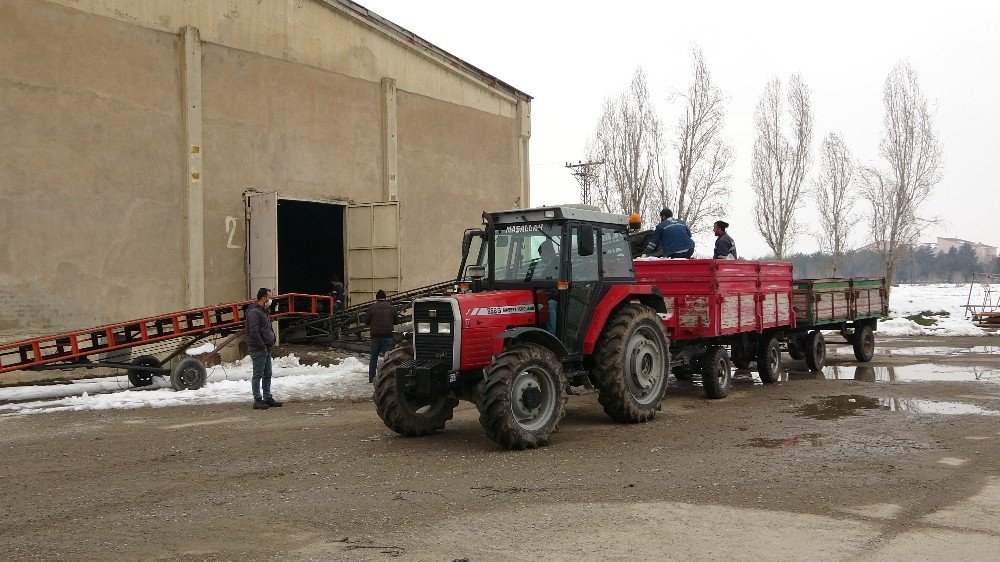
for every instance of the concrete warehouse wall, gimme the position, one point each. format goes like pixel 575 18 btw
pixel 90 169
pixel 119 203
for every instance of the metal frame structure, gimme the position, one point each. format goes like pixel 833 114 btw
pixel 72 350
pixel 986 314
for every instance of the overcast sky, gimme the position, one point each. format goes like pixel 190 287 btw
pixel 571 56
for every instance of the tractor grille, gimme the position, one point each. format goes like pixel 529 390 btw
pixel 434 345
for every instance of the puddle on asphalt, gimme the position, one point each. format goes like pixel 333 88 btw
pixel 836 407
pixel 927 351
pixel 928 372
pixel 814 439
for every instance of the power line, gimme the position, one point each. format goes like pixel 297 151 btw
pixel 584 172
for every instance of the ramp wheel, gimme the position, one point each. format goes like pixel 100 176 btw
pixel 189 374
pixel 139 377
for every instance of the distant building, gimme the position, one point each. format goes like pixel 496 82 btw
pixel 984 252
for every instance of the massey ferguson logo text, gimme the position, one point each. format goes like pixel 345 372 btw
pixel 494 310
pixel 523 228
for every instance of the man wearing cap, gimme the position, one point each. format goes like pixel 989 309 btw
pixel 725 247
pixel 381 319
pixel 673 237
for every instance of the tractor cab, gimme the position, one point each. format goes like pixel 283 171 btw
pixel 566 256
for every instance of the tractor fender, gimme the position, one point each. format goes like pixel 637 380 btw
pixel 648 295
pixel 537 336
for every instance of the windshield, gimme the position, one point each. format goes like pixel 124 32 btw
pixel 527 252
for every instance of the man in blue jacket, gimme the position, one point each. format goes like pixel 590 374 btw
pixel 672 236
pixel 259 336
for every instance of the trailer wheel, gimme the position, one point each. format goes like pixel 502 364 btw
pixel 716 372
pixel 522 397
pixel 406 414
pixel 769 359
pixel 864 343
pixel 189 374
pixel 797 347
pixel 631 365
pixel 815 350
pixel 140 378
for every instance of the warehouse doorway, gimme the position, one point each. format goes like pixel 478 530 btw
pixel 297 245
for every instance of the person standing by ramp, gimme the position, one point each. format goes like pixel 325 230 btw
pixel 381 319
pixel 259 336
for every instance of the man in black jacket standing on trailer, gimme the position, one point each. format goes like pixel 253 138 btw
pixel 259 336
pixel 725 247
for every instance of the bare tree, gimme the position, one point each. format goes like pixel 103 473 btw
pixel 627 140
pixel 836 201
pixel 780 161
pixel 703 158
pixel 914 163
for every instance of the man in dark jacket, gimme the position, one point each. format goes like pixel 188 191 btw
pixel 725 247
pixel 381 319
pixel 673 236
pixel 259 336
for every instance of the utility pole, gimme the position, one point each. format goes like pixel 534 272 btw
pixel 585 174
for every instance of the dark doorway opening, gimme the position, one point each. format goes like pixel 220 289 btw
pixel 310 246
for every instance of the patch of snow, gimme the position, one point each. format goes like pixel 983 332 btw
pixel 207 347
pixel 908 300
pixel 227 383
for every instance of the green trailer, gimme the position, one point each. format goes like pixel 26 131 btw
pixel 851 306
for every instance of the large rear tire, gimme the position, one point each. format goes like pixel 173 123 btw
pixel 769 359
pixel 716 372
pixel 864 343
pixel 815 350
pixel 631 365
pixel 522 397
pixel 405 414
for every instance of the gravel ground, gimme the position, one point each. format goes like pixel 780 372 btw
pixel 859 466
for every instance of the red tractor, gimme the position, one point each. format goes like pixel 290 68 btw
pixel 550 300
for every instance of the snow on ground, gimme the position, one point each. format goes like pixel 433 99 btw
pixel 226 384
pixel 294 381
pixel 909 300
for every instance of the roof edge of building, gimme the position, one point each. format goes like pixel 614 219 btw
pixel 413 40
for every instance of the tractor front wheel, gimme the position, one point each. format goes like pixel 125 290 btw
pixel 631 365
pixel 522 397
pixel 408 414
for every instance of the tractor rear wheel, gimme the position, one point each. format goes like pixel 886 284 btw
pixel 407 414
pixel 815 350
pixel 769 359
pixel 140 378
pixel 716 372
pixel 864 343
pixel 631 365
pixel 522 397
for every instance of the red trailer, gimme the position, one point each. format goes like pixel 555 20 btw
pixel 713 304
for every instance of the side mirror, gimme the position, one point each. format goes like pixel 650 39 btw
pixel 585 240
pixel 475 272
pixel 467 239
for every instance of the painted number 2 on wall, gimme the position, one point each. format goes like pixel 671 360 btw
pixel 231 223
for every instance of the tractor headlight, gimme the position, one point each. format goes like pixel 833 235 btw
pixel 423 327
pixel 444 328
